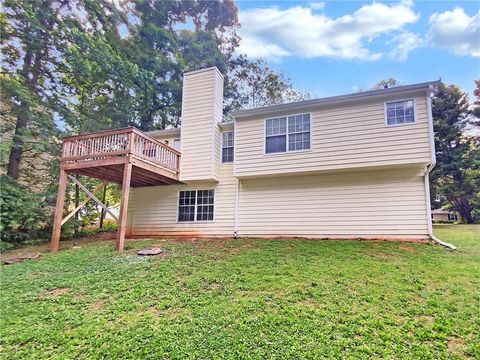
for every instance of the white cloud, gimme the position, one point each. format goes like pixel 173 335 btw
pixel 403 44
pixel 274 33
pixel 262 49
pixel 457 31
pixel 317 5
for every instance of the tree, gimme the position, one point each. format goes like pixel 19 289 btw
pixel 476 103
pixel 34 35
pixel 388 83
pixel 458 155
pixel 163 49
pixel 254 84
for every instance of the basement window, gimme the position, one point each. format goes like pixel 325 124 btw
pixel 400 112
pixel 196 205
pixel 227 146
pixel 288 133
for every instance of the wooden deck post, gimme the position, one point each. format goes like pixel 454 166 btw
pixel 122 220
pixel 57 223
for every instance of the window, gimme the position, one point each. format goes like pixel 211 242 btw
pixel 196 205
pixel 290 133
pixel 452 217
pixel 227 146
pixel 176 144
pixel 186 205
pixel 400 112
pixel 204 205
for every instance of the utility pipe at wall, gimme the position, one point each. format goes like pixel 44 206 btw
pixel 427 173
pixel 237 200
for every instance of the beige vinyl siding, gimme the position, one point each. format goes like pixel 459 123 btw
pixel 154 209
pixel 202 92
pixel 375 203
pixel 387 203
pixel 218 114
pixel 342 136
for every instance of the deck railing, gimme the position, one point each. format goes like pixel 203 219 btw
pixel 117 143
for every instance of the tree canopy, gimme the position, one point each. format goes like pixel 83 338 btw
pixel 456 176
pixel 386 83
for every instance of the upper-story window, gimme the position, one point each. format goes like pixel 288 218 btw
pixel 288 133
pixel 400 112
pixel 227 146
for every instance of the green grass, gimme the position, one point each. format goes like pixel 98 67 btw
pixel 248 298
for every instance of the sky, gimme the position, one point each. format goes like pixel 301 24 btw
pixel 337 47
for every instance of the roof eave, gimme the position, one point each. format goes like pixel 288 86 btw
pixel 332 99
pixel 165 132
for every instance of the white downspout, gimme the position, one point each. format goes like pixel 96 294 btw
pixel 237 182
pixel 427 172
pixel 237 201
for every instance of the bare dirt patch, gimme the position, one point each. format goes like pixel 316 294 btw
pixel 80 296
pixel 308 303
pixel 65 244
pixel 98 305
pixel 54 293
pixel 58 291
pixel 455 346
pixel 427 320
pixel 21 258
pixel 408 249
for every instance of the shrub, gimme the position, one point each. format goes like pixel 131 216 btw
pixel 108 226
pixel 23 212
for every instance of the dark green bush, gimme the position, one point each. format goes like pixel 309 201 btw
pixel 23 213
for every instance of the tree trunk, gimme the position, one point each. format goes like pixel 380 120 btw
pixel 464 209
pixel 16 149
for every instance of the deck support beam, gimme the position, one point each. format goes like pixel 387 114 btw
pixel 92 196
pixel 57 223
pixel 122 226
pixel 84 202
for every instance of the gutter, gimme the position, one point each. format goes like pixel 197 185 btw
pixel 293 106
pixel 427 173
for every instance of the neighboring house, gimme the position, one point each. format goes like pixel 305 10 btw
pixel 443 215
pixel 349 166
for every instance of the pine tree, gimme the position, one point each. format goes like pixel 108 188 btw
pixel 457 173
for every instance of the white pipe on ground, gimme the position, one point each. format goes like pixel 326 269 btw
pixel 427 172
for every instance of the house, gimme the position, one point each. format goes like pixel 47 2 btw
pixel 348 166
pixel 443 215
pixel 340 167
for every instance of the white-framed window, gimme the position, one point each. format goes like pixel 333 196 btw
pixel 287 133
pixel 400 112
pixel 227 146
pixel 196 205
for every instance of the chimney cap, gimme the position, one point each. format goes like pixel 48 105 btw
pixel 211 68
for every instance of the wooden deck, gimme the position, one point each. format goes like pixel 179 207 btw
pixel 124 156
pixel 103 155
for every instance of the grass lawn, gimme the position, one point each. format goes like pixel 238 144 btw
pixel 247 298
